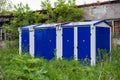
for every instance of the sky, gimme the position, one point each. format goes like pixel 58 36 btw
pixel 35 4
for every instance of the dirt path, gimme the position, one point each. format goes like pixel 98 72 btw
pixel 2 44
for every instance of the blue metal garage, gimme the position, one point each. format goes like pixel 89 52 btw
pixel 77 40
pixel 89 37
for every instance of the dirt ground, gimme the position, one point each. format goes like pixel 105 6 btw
pixel 2 44
pixel 115 42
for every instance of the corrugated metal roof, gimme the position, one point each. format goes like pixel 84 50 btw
pixel 69 24
pixel 81 23
pixel 46 25
pixel 28 26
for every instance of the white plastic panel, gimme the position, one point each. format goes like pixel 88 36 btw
pixel 31 42
pixel 59 42
pixel 102 24
pixel 75 43
pixel 20 49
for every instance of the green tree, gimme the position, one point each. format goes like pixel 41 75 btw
pixel 5 6
pixel 22 16
pixel 65 10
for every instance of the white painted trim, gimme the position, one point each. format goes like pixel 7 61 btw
pixel 75 43
pixel 59 42
pixel 20 41
pixel 110 39
pixel 93 45
pixel 110 42
pixel 31 41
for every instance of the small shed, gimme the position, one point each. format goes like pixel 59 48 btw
pixel 83 39
pixel 77 40
pixel 25 38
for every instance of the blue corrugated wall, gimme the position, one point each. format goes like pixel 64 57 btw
pixel 84 42
pixel 68 43
pixel 45 43
pixel 25 40
pixel 102 39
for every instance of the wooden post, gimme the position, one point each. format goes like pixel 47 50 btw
pixel 113 29
pixel 0 33
pixel 4 35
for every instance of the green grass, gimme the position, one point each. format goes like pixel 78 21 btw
pixel 24 67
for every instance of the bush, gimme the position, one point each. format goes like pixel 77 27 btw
pixel 12 44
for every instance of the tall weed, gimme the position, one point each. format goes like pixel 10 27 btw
pixel 24 67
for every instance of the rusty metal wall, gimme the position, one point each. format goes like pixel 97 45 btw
pixel 105 11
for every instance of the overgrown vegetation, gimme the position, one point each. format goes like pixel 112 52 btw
pixel 22 16
pixel 5 6
pixel 24 67
pixel 64 11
